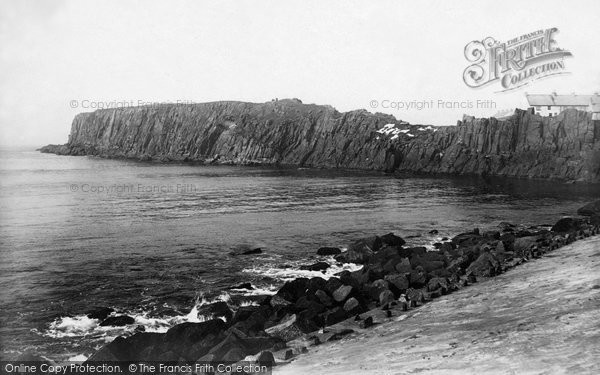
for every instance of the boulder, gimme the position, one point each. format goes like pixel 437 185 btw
pixel 352 306
pixel 392 240
pixel 292 290
pixel 486 265
pixel 216 309
pixel 418 278
pixel 590 209
pixel 332 284
pixel 117 321
pixel 287 329
pixel 398 283
pixel 99 313
pixel 372 243
pixel 304 303
pixel 234 355
pixel 390 265
pixel 428 265
pixel 468 239
pixel 278 301
pixel 324 298
pixel 411 251
pixel 138 347
pixel 335 315
pixel 255 323
pixel 375 288
pixel 265 358
pixel 315 284
pixel 244 312
pixel 523 245
pixel 404 266
pixel 319 266
pixel 245 250
pixel 329 251
pixel 567 224
pixel 342 293
pixel 310 320
pixel 359 255
pixel 193 340
pixel 384 255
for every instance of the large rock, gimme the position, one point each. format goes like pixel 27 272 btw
pixel 342 293
pixel 216 310
pixel 193 340
pixel 254 323
pixel 292 290
pixel 117 321
pixel 328 251
pixel 245 250
pixel 486 265
pixel 427 264
pixel 391 239
pixel 590 209
pixel 360 251
pixel 324 298
pixel 567 224
pixel 523 245
pixel 99 313
pixel 141 346
pixel 398 283
pixel 384 255
pixel 286 330
pixel 319 266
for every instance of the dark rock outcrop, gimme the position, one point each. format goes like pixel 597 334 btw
pixel 590 209
pixel 287 132
pixel 328 251
pixel 117 321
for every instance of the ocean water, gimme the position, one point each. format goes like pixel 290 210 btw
pixel 154 240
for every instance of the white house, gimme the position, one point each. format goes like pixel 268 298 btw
pixel 553 104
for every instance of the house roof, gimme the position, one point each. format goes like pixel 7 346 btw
pixel 562 100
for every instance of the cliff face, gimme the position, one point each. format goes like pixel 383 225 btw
pixel 288 132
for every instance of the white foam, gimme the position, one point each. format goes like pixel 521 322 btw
pixel 82 326
pixel 72 326
pixel 257 291
pixel 288 274
pixel 78 358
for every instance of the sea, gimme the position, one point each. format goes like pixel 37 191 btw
pixel 156 241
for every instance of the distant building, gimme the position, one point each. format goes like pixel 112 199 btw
pixel 553 104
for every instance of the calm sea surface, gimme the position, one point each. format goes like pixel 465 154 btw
pixel 153 240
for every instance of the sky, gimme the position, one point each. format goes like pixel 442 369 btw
pixel 59 58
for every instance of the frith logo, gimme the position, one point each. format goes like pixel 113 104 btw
pixel 515 63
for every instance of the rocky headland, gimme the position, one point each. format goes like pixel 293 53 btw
pixel 288 132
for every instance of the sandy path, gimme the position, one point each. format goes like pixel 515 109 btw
pixel 542 317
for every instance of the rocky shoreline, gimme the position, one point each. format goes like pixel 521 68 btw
pixel 306 312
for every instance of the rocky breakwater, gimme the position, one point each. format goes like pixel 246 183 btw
pixel 308 311
pixel 288 132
